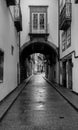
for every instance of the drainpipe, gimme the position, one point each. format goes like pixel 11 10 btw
pixel 19 59
pixel 19 47
pixel 59 38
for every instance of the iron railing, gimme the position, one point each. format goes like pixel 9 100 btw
pixel 65 17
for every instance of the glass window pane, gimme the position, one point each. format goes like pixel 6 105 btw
pixel 41 21
pixel 35 21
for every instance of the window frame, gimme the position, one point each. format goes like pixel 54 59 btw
pixel 38 30
pixel 38 9
pixel 66 39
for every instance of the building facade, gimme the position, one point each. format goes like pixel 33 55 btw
pixel 68 37
pixel 40 30
pixel 39 9
pixel 9 46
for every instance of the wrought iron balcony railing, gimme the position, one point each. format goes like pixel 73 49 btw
pixel 18 18
pixel 65 17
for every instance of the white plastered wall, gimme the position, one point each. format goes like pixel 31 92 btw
pixel 52 19
pixel 8 38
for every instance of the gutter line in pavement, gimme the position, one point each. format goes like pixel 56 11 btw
pixel 8 101
pixel 73 105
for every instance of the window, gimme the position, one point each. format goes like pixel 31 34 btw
pixel 66 39
pixel 12 50
pixel 35 21
pixel 39 22
pixel 1 65
pixel 38 19
pixel 42 21
pixel 63 41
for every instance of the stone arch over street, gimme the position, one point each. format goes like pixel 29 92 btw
pixel 44 47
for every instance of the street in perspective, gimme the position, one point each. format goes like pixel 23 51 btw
pixel 38 64
pixel 40 107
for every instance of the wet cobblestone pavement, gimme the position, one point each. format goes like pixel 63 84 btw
pixel 40 107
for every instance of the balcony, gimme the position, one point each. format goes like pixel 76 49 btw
pixel 38 33
pixel 11 2
pixel 18 18
pixel 65 17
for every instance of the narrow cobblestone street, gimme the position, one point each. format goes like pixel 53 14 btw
pixel 40 107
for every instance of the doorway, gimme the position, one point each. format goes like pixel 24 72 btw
pixel 70 73
pixel 64 74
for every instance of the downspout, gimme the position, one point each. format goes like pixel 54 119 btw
pixel 59 38
pixel 19 48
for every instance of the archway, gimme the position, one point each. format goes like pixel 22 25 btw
pixel 39 46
